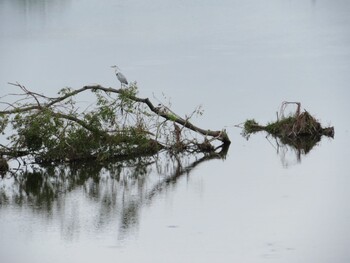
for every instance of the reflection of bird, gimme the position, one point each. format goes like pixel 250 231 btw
pixel 4 167
pixel 120 76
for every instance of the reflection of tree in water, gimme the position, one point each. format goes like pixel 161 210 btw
pixel 38 6
pixel 119 189
pixel 26 16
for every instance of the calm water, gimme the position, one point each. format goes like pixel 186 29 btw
pixel 239 60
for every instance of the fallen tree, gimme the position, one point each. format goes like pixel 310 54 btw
pixel 118 124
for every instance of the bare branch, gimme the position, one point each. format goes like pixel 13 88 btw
pixel 32 94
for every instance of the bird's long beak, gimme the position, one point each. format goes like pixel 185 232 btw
pixel 115 67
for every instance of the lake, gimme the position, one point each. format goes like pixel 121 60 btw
pixel 238 60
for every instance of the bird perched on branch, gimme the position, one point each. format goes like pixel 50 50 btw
pixel 120 76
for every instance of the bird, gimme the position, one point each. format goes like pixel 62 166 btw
pixel 120 76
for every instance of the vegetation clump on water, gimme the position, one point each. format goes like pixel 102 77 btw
pixel 300 130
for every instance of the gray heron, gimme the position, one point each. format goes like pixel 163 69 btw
pixel 120 76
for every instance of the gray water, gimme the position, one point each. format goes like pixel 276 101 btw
pixel 239 60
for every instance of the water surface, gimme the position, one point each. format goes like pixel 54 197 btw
pixel 238 60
